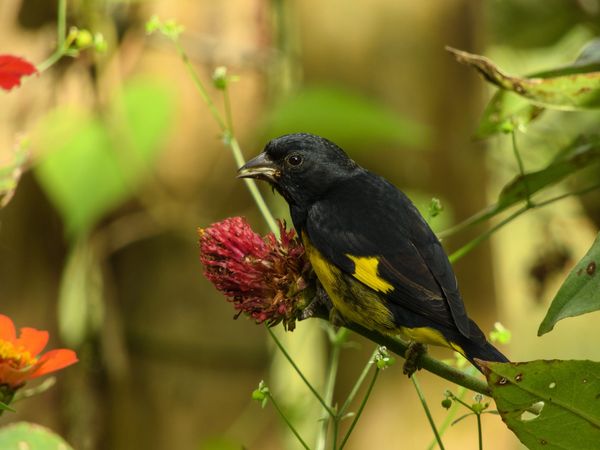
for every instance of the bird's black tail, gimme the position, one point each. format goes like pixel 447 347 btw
pixel 477 347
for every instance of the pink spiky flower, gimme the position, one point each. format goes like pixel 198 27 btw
pixel 264 277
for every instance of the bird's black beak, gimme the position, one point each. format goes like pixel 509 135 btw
pixel 261 168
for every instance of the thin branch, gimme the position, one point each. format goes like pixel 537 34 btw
pixel 332 369
pixel 438 438
pixel 299 372
pixel 428 363
pixel 531 205
pixel 361 408
pixel 288 423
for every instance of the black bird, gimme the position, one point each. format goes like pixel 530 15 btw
pixel 376 257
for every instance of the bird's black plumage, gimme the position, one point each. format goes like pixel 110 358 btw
pixel 372 250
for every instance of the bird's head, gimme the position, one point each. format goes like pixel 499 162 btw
pixel 300 166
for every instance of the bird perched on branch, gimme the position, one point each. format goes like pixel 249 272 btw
pixel 376 257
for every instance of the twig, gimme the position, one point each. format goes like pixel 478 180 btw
pixel 299 372
pixel 438 438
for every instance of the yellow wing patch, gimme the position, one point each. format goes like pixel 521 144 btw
pixel 365 270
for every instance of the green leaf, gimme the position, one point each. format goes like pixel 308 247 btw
pixel 343 116
pixel 548 404
pixel 80 173
pixel 25 435
pixel 574 87
pixel 583 152
pixel 92 164
pixel 576 156
pixel 579 294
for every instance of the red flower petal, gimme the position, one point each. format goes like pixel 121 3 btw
pixel 32 340
pixel 52 361
pixel 12 69
pixel 7 329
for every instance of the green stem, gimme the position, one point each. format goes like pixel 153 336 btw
pixel 299 372
pixel 357 385
pixel 227 129
pixel 521 166
pixel 62 23
pixel 227 105
pixel 485 235
pixel 479 433
pixel 288 423
pixel 252 187
pixel 531 205
pixel 201 89
pixel 332 369
pixel 481 216
pixel 448 419
pixel 427 411
pixel 361 408
pixel 61 44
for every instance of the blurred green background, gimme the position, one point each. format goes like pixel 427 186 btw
pixel 99 243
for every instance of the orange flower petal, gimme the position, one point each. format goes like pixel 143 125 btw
pixel 54 360
pixel 32 340
pixel 7 329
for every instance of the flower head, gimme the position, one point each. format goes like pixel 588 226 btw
pixel 20 358
pixel 262 276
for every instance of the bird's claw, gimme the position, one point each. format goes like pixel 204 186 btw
pixel 413 358
pixel 319 306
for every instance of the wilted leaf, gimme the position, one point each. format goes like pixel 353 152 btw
pixel 568 92
pixel 94 164
pixel 343 116
pixel 507 109
pixel 12 69
pixel 549 404
pixel 579 294
pixel 25 435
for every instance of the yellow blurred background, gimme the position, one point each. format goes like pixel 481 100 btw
pixel 109 263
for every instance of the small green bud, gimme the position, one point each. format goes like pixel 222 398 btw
pixel 382 359
pixel 153 24
pixel 84 39
pixel 219 78
pixel 100 44
pixel 507 127
pixel 261 394
pixel 477 408
pixel 172 29
pixel 446 403
pixel 435 207
pixel 73 32
pixel 500 334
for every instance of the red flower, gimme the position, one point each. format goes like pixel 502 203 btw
pixel 19 360
pixel 264 277
pixel 12 69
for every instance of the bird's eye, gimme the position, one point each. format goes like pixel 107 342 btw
pixel 294 160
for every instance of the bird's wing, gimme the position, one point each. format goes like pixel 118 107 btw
pixel 372 232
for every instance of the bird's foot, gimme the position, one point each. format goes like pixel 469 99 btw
pixel 413 357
